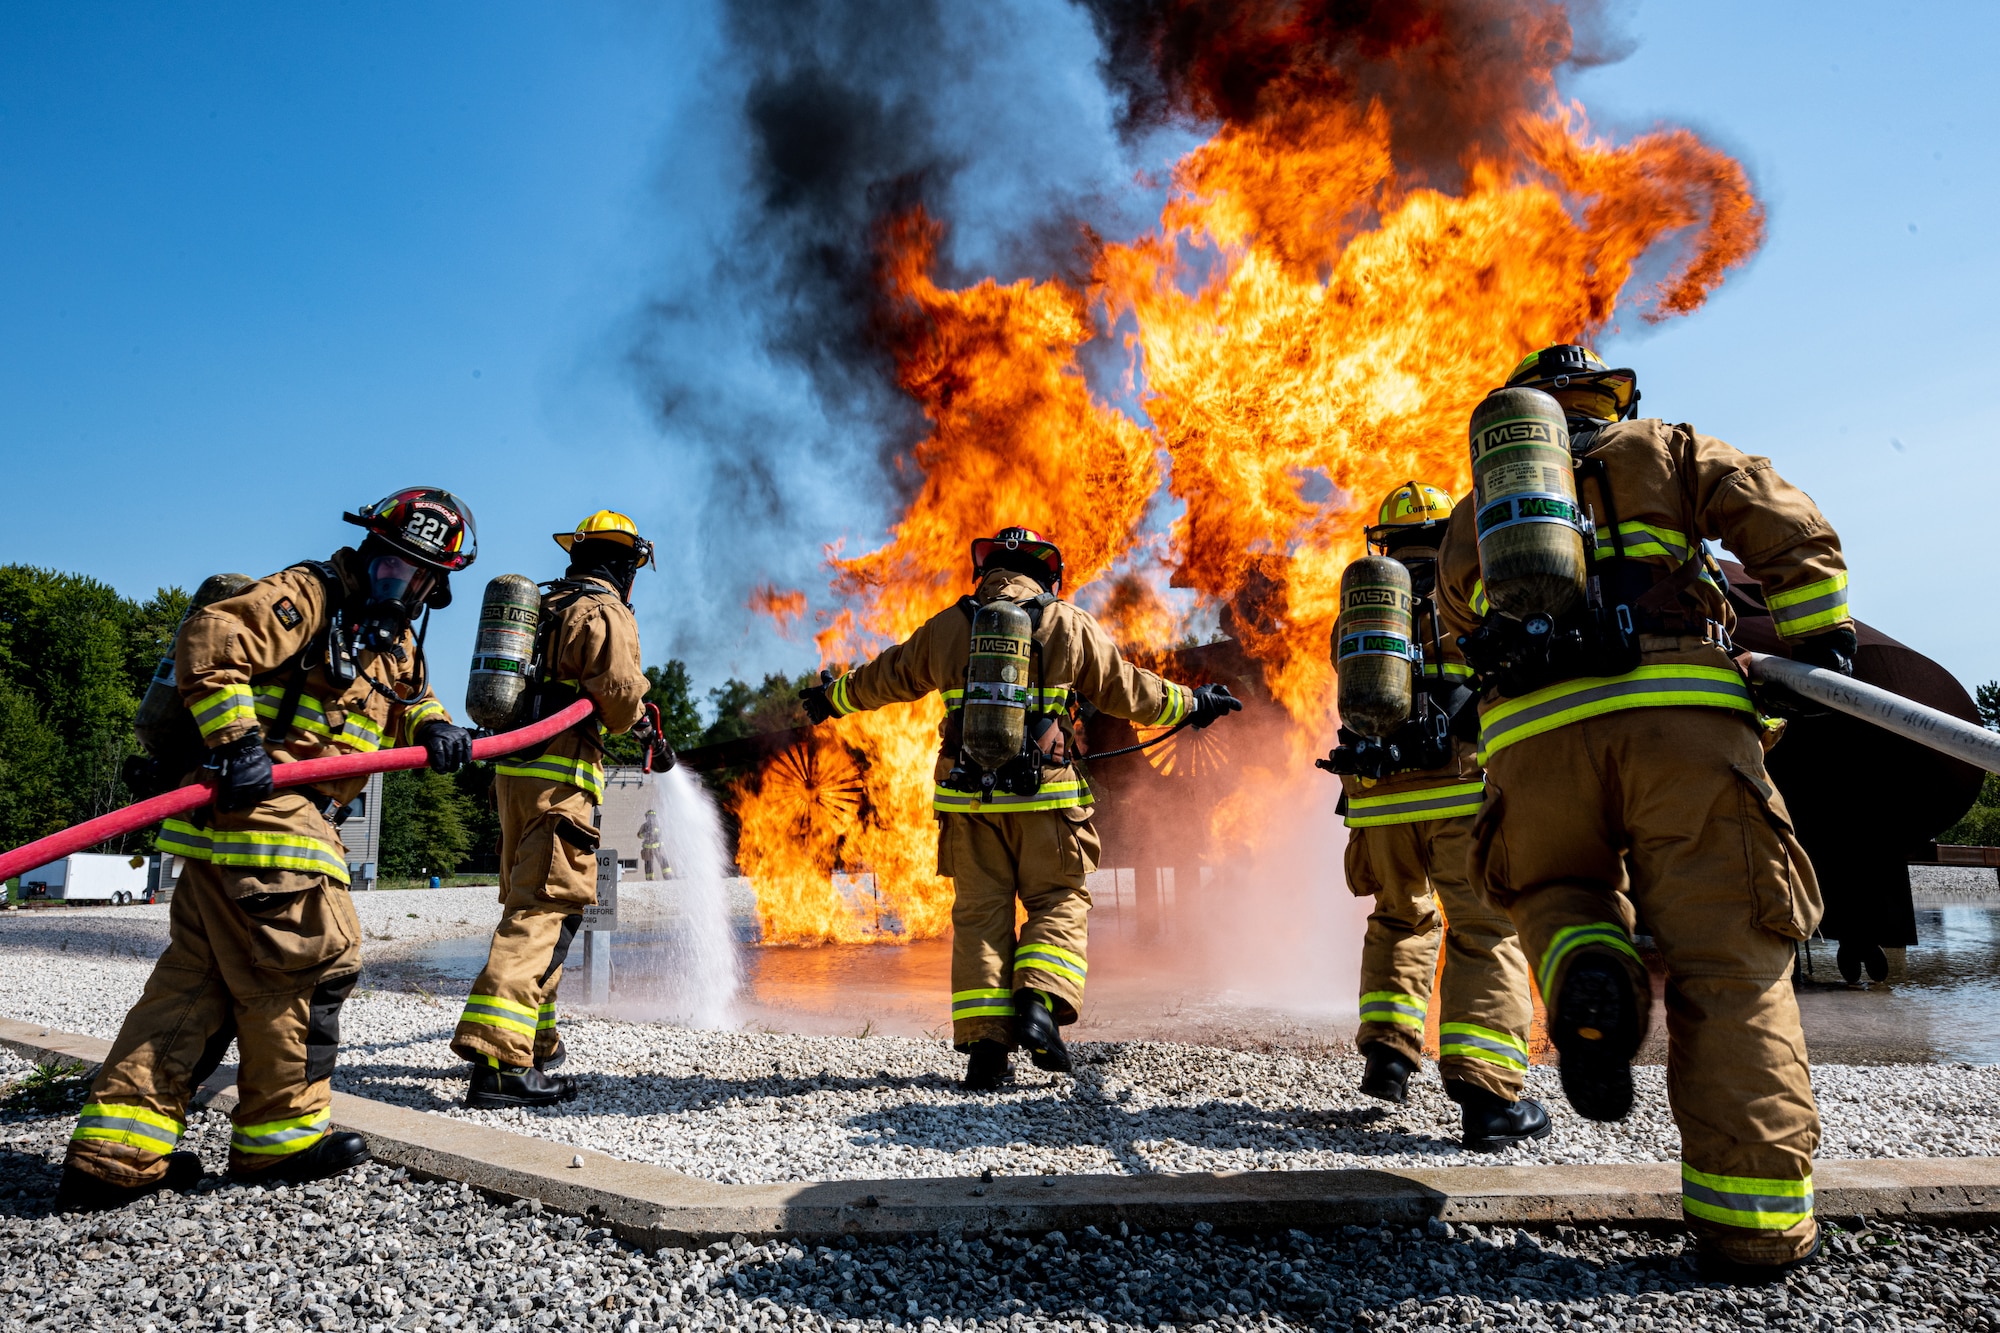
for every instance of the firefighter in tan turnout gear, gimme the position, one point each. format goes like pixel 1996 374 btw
pixel 1013 802
pixel 1409 799
pixel 263 947
pixel 1625 773
pixel 587 646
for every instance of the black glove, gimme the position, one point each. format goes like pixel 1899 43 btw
pixel 1833 649
pixel 818 707
pixel 241 771
pixel 449 747
pixel 1211 702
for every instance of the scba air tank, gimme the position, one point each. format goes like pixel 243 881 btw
pixel 162 723
pixel 1531 553
pixel 503 652
pixel 1371 646
pixel 996 684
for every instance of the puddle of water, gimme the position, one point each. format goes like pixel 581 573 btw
pixel 1942 1003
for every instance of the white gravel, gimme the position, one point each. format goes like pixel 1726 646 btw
pixel 375 1250
pixel 1954 882
pixel 755 1106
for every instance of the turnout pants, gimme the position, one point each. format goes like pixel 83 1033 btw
pixel 1041 858
pixel 548 875
pixel 1667 813
pixel 1411 869
pixel 269 971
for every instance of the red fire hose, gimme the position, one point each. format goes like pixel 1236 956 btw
pixel 183 799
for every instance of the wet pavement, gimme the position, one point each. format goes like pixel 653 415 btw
pixel 1154 978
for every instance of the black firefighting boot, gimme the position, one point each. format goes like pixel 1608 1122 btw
pixel 333 1154
pixel 1388 1074
pixel 1491 1122
pixel 81 1192
pixel 987 1066
pixel 1596 1031
pixel 1855 957
pixel 496 1085
pixel 1036 1033
pixel 554 1059
pixel 1715 1267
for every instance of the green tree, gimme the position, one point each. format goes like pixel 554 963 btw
pixel 74 658
pixel 743 710
pixel 1987 699
pixel 426 824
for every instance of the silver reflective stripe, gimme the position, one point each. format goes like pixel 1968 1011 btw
pixel 1046 963
pixel 1390 1007
pixel 1502 1053
pixel 1800 610
pixel 145 1129
pixel 1787 1205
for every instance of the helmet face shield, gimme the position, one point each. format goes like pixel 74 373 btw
pixel 391 578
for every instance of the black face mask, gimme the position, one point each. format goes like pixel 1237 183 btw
pixel 396 591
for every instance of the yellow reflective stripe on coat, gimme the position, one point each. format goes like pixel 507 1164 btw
pixel 840 695
pixel 1052 796
pixel 256 849
pixel 496 1011
pixel 231 703
pixel 1414 807
pixel 580 773
pixel 1642 540
pixel 135 1126
pixel 1389 1006
pixel 1478 1043
pixel 426 709
pixel 985 1003
pixel 1602 934
pixel 1480 606
pixel 1752 1202
pixel 1180 699
pixel 1811 608
pixel 357 730
pixel 1668 685
pixel 1049 958
pixel 281 1138
pixel 1448 670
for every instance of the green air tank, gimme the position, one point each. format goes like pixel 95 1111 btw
pixel 163 723
pixel 996 684
pixel 503 651
pixel 1530 531
pixel 1371 646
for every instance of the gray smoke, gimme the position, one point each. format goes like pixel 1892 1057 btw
pixel 764 366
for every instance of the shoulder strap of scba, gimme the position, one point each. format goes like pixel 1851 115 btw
pixel 315 647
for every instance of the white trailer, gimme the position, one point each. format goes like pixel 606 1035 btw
pixel 87 877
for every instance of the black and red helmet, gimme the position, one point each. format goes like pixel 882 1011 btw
pixel 427 523
pixel 1022 550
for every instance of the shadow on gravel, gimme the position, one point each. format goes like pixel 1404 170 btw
pixel 27 1182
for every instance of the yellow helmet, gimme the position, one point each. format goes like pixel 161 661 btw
pixel 1577 378
pixel 1414 505
pixel 612 526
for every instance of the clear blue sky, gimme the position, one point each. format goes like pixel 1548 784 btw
pixel 259 264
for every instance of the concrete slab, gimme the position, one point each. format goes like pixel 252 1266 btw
pixel 652 1206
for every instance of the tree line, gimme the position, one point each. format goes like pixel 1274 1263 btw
pixel 76 656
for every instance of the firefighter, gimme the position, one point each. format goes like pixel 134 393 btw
pixel 1626 783
pixel 263 946
pixel 1035 842
pixel 1410 827
pixel 587 647
pixel 654 864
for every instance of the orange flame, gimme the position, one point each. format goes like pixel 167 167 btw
pixel 785 606
pixel 1311 323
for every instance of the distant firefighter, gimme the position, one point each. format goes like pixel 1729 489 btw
pixel 1410 793
pixel 1625 771
pixel 655 864
pixel 1013 805
pixel 263 944
pixel 586 646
